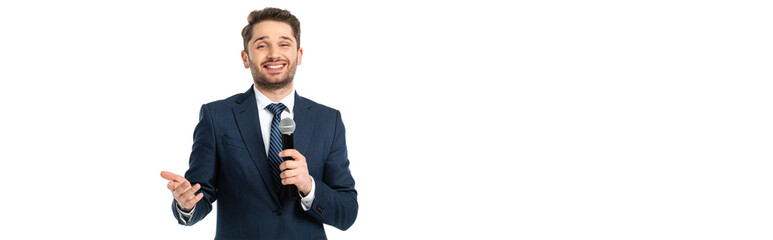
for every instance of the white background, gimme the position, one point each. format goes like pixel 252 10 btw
pixel 468 120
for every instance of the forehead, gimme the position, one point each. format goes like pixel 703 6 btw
pixel 272 29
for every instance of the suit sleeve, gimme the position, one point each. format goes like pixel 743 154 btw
pixel 202 167
pixel 335 201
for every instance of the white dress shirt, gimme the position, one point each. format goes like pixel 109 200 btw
pixel 265 116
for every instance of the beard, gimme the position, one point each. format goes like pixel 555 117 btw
pixel 262 81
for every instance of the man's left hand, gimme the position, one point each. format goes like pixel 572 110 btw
pixel 295 172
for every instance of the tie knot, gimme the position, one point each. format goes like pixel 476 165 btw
pixel 276 108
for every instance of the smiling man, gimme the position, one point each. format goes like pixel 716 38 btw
pixel 237 158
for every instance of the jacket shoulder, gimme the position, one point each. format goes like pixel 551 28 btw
pixel 224 104
pixel 319 108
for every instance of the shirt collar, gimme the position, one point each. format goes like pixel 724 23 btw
pixel 263 101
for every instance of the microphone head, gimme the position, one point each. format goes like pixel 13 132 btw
pixel 287 126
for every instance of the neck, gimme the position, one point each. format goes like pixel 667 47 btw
pixel 276 94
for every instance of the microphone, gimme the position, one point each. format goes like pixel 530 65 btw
pixel 287 127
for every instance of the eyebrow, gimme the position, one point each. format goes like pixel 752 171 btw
pixel 260 38
pixel 265 37
pixel 283 37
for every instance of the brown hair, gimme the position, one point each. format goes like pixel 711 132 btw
pixel 274 14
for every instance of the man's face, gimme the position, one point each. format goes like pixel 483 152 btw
pixel 272 55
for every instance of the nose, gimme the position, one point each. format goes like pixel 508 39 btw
pixel 273 54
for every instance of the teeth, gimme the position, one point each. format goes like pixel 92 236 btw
pixel 275 66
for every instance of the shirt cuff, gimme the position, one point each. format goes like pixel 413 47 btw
pixel 309 199
pixel 185 217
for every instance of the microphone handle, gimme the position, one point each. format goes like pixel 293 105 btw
pixel 287 143
pixel 291 191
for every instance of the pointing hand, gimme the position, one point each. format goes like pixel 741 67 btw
pixel 182 191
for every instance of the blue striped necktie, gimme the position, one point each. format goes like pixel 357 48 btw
pixel 275 146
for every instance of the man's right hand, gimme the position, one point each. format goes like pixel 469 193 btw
pixel 183 193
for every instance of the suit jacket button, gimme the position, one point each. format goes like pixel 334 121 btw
pixel 278 212
pixel 320 209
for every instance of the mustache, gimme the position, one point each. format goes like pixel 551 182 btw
pixel 273 61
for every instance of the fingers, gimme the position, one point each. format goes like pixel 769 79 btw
pixel 294 172
pixel 297 180
pixel 292 153
pixel 299 177
pixel 175 181
pixel 182 191
pixel 288 174
pixel 190 193
pixel 171 176
pixel 289 164
pixel 290 181
pixel 179 190
pixel 287 181
pixel 193 200
pixel 189 203
pixel 189 198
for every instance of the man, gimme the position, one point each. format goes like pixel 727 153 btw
pixel 236 155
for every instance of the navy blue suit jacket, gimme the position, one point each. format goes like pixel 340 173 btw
pixel 229 161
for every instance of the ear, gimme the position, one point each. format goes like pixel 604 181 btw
pixel 300 55
pixel 245 59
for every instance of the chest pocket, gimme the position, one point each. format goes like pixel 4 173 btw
pixel 231 142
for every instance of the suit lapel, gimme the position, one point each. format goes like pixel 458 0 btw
pixel 304 123
pixel 246 115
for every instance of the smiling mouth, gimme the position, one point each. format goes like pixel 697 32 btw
pixel 274 66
